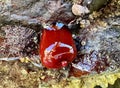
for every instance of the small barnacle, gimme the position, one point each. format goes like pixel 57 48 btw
pixel 83 43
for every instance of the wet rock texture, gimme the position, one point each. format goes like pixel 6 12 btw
pixel 96 49
pixel 15 41
pixel 96 35
pixel 35 12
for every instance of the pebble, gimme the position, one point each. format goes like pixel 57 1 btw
pixel 79 10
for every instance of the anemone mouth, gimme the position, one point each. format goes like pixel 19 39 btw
pixel 64 63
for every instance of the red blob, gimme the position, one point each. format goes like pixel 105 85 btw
pixel 57 48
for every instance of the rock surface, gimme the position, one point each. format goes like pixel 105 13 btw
pixel 98 36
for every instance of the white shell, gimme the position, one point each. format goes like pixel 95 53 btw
pixel 79 10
